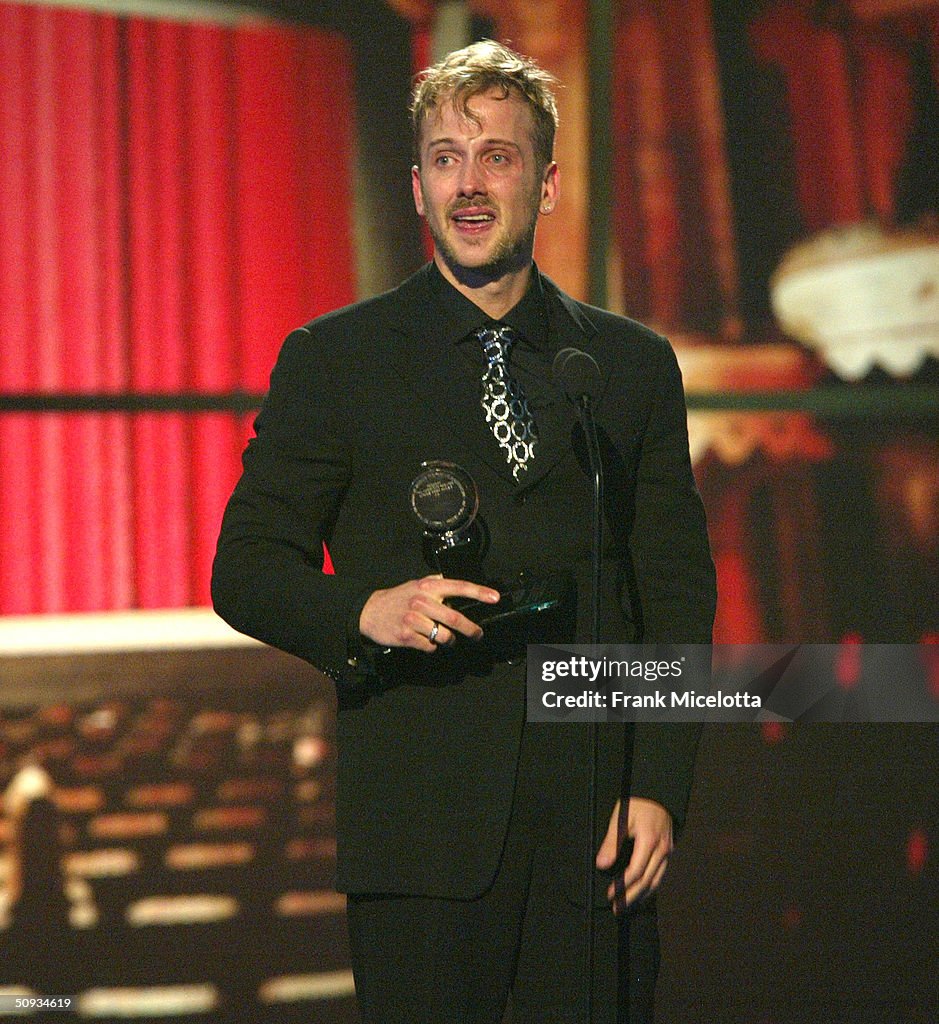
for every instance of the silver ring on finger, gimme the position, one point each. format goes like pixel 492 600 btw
pixel 432 635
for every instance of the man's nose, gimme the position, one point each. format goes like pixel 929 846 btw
pixel 472 181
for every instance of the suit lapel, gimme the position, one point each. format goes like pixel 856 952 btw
pixel 446 394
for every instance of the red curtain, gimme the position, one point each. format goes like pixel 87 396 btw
pixel 671 215
pixel 848 148
pixel 173 199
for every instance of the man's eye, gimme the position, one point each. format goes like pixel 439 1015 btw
pixel 442 161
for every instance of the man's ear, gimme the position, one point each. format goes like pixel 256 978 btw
pixel 550 188
pixel 416 190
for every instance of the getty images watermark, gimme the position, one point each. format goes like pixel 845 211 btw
pixel 734 683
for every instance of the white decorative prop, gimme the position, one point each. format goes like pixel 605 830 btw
pixel 862 296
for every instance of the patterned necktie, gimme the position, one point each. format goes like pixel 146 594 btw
pixel 504 401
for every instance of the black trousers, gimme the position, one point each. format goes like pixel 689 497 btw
pixel 435 961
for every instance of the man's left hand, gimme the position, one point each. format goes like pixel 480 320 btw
pixel 649 825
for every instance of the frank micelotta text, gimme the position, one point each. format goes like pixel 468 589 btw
pixel 630 683
pixel 659 699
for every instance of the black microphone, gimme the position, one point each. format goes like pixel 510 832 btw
pixel 577 374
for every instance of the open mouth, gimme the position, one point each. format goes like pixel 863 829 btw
pixel 473 218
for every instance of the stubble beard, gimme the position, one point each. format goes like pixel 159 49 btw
pixel 510 254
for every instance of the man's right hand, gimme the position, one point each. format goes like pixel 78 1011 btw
pixel 405 616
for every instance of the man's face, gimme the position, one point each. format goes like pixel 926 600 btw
pixel 479 186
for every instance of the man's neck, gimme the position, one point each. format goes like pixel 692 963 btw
pixel 494 296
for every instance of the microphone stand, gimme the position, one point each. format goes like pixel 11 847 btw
pixel 585 412
pixel 579 376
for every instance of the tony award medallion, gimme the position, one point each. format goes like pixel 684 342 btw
pixel 445 501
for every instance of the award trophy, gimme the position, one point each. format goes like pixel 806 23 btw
pixel 445 501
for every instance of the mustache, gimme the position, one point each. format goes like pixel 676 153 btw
pixel 468 204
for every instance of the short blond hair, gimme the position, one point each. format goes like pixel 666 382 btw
pixel 476 69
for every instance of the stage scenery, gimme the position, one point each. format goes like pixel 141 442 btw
pixel 181 185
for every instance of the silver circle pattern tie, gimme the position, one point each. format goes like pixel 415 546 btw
pixel 504 401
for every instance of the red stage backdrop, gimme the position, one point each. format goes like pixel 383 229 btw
pixel 174 198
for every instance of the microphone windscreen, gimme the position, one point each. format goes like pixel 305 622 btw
pixel 577 374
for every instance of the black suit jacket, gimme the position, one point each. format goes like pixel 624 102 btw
pixel 428 744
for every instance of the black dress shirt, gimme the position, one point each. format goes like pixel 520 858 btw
pixel 530 358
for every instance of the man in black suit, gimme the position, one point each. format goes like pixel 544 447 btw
pixel 460 826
